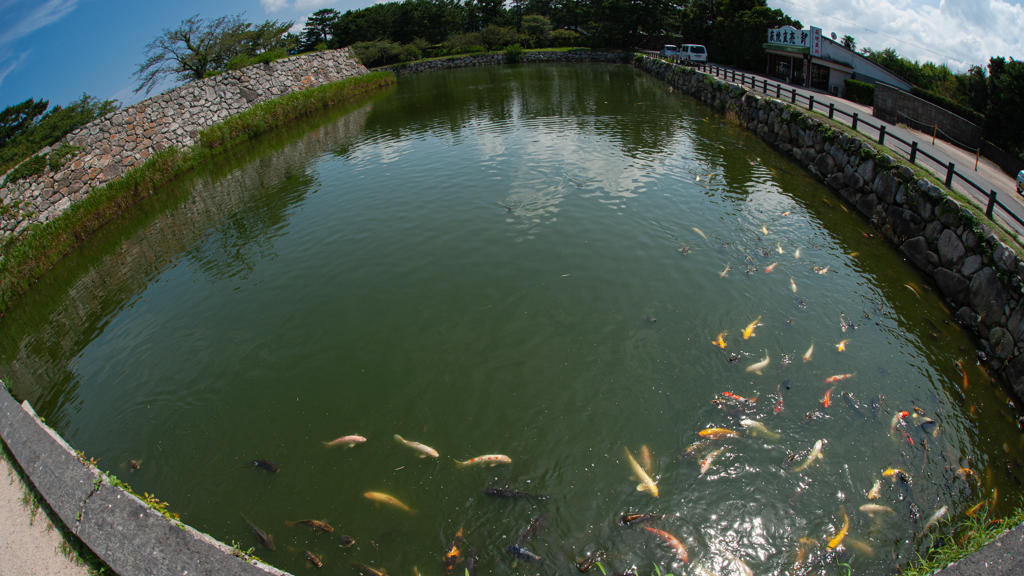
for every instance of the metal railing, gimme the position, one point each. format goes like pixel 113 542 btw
pixel 912 151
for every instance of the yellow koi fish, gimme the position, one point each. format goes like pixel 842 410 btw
pixel 646 459
pixel 876 491
pixel 758 366
pixel 764 229
pixel 714 433
pixel 720 341
pixel 646 484
pixel 781 251
pixel 842 345
pixel 749 330
pixel 382 498
pixel 838 538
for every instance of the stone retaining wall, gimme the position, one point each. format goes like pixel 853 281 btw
pixel 128 136
pixel 895 106
pixel 491 59
pixel 979 274
pixel 132 538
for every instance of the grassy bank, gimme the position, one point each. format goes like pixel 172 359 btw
pixel 29 255
pixel 977 532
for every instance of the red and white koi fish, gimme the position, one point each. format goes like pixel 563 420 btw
pixel 778 404
pixel 837 378
pixel 792 284
pixel 492 459
pixel 898 417
pixel 705 464
pixel 739 398
pixel 807 355
pixel 823 270
pixel 828 397
pixel 771 267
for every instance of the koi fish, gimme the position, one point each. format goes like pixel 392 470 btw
pixel 963 473
pixel 974 509
pixel 533 529
pixel 714 433
pixel 934 519
pixel 807 355
pixel 896 474
pixel 705 464
pixel 759 428
pixel 854 254
pixel 842 345
pixel 492 459
pixel 837 378
pixel 646 484
pixel 771 267
pixel 897 417
pixel 739 398
pixel 314 524
pixel 725 272
pixel 314 559
pixel 634 519
pixel 720 342
pixel 914 290
pixel 423 449
pixel 838 538
pixel 381 498
pixel 266 465
pixel 781 251
pixel 803 550
pixel 815 454
pixel 860 546
pixel 764 229
pixel 786 213
pixel 451 557
pixel 347 541
pixel 778 403
pixel 672 541
pixel 265 539
pixel 697 230
pixel 645 459
pixel 872 509
pixel 471 562
pixel 828 396
pixel 823 270
pixel 521 553
pixel 960 367
pixel 749 330
pixel 585 564
pixel 346 441
pixel 876 491
pixel 741 566
pixel 792 284
pixel 367 570
pixel 758 366
pixel 509 493
pixel 796 254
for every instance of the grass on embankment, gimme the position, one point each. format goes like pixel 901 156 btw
pixel 27 256
pixel 977 532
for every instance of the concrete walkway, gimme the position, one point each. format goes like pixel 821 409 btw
pixel 30 546
pixel 989 176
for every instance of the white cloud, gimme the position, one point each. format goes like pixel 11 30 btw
pixel 7 69
pixel 312 4
pixel 46 13
pixel 299 24
pixel 959 33
pixel 272 6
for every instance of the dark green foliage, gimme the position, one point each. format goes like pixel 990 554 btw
pixel 565 39
pixel 31 167
pixel 51 127
pixel 318 29
pixel 538 29
pixel 860 92
pixel 14 119
pixel 197 47
pixel 383 52
pixel 513 53
pixel 59 157
pixel 29 255
pixel 243 60
pixel 947 104
pixel 1004 117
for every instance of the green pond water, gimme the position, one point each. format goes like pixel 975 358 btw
pixel 527 261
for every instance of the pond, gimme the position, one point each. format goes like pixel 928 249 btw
pixel 557 264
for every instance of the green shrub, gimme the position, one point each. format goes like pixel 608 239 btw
pixel 31 167
pixel 59 157
pixel 947 104
pixel 564 39
pixel 383 52
pixel 513 54
pixel 244 60
pixel 860 92
pixel 51 127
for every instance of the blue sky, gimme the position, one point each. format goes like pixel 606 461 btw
pixel 58 49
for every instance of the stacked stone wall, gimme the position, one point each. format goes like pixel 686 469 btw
pixel 973 269
pixel 125 138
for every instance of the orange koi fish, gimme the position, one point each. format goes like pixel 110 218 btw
pixel 739 398
pixel 714 433
pixel 771 267
pixel 451 558
pixel 672 541
pixel 828 397
pixel 842 345
pixel 960 367
pixel 837 378
pixel 838 538
pixel 720 342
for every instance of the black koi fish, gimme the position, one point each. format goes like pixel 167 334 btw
pixel 534 529
pixel 524 554
pixel 266 465
pixel 265 539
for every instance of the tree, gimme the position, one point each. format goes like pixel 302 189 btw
pixel 14 119
pixel 1005 114
pixel 318 29
pixel 197 47
pixel 25 134
pixel 850 42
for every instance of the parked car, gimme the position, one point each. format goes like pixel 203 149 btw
pixel 1020 182
pixel 693 53
pixel 670 51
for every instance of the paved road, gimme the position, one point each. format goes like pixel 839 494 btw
pixel 988 177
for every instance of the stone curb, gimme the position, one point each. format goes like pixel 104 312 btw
pixel 132 538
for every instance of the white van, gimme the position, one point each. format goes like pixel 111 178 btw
pixel 1020 182
pixel 693 53
pixel 670 51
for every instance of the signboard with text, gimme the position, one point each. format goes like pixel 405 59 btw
pixel 815 41
pixel 790 36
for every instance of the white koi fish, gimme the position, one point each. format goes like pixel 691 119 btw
pixel 815 454
pixel 759 428
pixel 423 449
pixel 646 484
pixel 757 367
pixel 492 459
pixel 807 355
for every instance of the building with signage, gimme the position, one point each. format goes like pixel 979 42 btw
pixel 807 58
